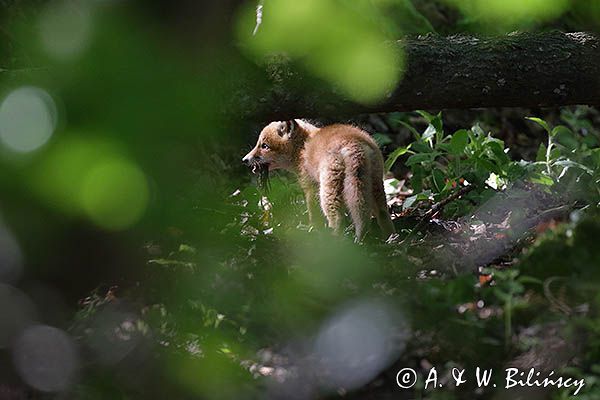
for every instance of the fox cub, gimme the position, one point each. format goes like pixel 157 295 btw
pixel 339 162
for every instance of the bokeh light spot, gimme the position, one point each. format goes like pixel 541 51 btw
pixel 359 341
pixel 16 313
pixel 114 194
pixel 65 28
pixel 349 53
pixel 62 170
pixel 46 358
pixel 91 176
pixel 28 117
pixel 355 69
pixel 511 14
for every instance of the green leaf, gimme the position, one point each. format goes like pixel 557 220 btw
pixel 573 164
pixel 434 120
pixel 542 179
pixel 410 201
pixel 415 133
pixel 476 129
pixel 459 141
pixel 381 139
pixel 496 151
pixel 590 141
pixel 391 160
pixel 438 179
pixel 542 123
pixel 418 177
pixel 541 153
pixel 419 158
pixel 595 156
pixel 516 170
pixel 486 165
pixel 477 136
pixel 421 147
pixel 405 16
pixel 428 117
pixel 565 137
pixel 448 186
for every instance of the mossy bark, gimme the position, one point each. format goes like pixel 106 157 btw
pixel 517 70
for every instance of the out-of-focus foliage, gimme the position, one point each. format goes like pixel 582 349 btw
pixel 340 42
pixel 504 15
pixel 497 17
pixel 138 260
pixel 91 177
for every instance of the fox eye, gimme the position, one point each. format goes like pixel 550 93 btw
pixel 264 146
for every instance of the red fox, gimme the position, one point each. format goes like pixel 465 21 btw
pixel 339 162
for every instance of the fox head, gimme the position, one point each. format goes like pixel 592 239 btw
pixel 277 146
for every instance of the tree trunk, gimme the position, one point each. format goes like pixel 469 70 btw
pixel 517 70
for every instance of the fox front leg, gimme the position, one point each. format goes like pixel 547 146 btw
pixel 310 196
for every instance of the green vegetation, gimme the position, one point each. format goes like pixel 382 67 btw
pixel 129 225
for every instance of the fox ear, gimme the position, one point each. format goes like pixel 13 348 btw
pixel 287 128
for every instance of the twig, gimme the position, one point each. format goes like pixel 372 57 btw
pixel 438 206
pixel 259 14
pixel 442 203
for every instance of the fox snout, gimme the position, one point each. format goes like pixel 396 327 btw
pixel 248 158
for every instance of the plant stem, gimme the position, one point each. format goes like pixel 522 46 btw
pixel 548 153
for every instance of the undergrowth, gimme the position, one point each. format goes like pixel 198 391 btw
pixel 479 282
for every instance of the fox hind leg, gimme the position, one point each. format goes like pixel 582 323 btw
pixel 357 195
pixel 330 193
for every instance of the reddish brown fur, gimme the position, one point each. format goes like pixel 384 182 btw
pixel 340 162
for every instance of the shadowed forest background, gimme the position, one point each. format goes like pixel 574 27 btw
pixel 140 259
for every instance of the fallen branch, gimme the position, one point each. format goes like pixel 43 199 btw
pixel 442 203
pixel 438 207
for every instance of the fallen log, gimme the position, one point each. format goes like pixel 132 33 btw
pixel 456 72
